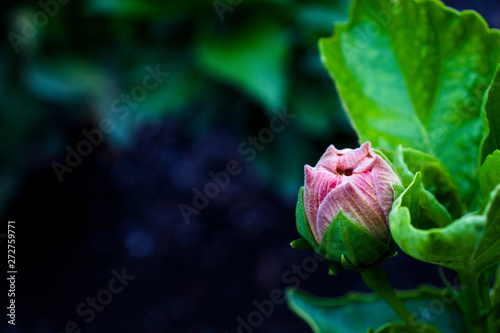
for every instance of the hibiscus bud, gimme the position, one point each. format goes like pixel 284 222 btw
pixel 354 189
pixel 355 180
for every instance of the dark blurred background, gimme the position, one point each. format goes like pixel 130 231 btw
pixel 70 68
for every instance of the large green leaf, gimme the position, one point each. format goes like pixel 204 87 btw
pixel 488 251
pixel 452 246
pixel 491 118
pixel 422 88
pixel 489 173
pixel 357 313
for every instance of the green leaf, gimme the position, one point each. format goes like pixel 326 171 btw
pixel 253 58
pixel 439 182
pixel 317 16
pixel 491 118
pixel 451 246
pixel 487 252
pixel 495 295
pixel 302 225
pixel 421 88
pixel 355 313
pixel 398 328
pixel 400 166
pixel 319 116
pixel 346 240
pixel 410 199
pixel 435 178
pixel 430 213
pixel 489 173
pixel 173 95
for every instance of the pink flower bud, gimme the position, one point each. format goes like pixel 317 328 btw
pixel 355 180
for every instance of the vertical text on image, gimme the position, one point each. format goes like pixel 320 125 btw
pixel 11 271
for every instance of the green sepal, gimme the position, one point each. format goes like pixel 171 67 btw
pixel 301 244
pixel 350 244
pixel 451 246
pixel 302 225
pixel 395 254
pixel 347 265
pixel 334 268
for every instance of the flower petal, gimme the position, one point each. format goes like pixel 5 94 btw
pixel 383 176
pixel 342 160
pixel 329 160
pixel 358 200
pixel 318 183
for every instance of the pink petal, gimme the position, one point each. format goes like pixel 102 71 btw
pixel 344 159
pixel 383 176
pixel 358 201
pixel 329 160
pixel 318 183
pixel 365 165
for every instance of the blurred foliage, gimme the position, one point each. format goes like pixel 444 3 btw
pixel 335 315
pixel 227 60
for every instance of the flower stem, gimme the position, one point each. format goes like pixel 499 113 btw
pixel 376 279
